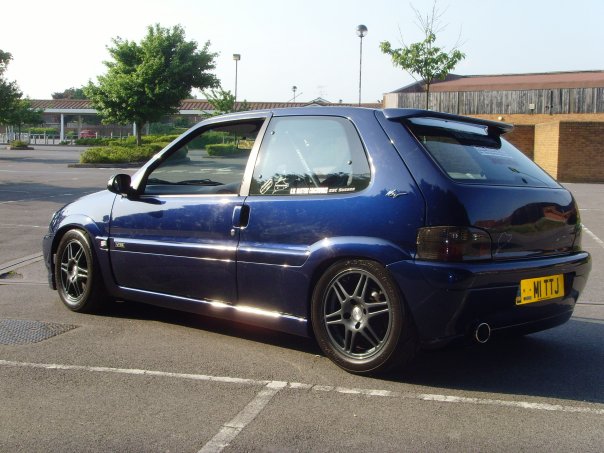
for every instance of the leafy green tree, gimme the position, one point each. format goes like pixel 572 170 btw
pixel 223 101
pixel 148 80
pixel 9 91
pixel 425 59
pixel 70 93
pixel 22 113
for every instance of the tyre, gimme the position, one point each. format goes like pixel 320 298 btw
pixel 360 320
pixel 79 281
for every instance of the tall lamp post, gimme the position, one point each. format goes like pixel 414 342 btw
pixel 361 32
pixel 236 58
pixel 294 88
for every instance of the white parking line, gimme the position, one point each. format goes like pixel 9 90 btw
pixel 593 236
pixel 592 320
pixel 37 199
pixel 592 408
pixel 231 429
pixel 14 225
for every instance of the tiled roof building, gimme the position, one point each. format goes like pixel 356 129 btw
pixel 187 106
pixel 550 93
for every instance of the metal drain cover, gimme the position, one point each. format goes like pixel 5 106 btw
pixel 18 331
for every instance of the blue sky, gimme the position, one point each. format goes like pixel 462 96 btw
pixel 308 43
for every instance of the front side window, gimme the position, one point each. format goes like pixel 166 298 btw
pixel 210 162
pixel 310 156
pixel 472 154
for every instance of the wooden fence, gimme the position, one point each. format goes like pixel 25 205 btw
pixel 559 100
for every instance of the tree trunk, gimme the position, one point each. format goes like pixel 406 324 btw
pixel 427 96
pixel 139 131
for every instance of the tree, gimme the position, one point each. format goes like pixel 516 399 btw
pixel 23 114
pixel 9 91
pixel 424 58
pixel 70 93
pixel 224 102
pixel 148 80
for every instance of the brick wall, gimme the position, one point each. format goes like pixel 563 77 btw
pixel 546 147
pixel 518 119
pixel 581 152
pixel 523 138
pixel 569 147
pixel 571 151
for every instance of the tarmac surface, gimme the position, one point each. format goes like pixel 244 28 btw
pixel 143 378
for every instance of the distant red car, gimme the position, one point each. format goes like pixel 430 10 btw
pixel 86 133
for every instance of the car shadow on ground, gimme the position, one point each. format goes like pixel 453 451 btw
pixel 566 362
pixel 134 310
pixel 563 363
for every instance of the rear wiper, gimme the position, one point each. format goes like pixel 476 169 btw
pixel 515 170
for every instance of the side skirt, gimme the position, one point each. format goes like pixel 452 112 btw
pixel 240 313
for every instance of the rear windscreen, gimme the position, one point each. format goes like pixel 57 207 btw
pixel 469 153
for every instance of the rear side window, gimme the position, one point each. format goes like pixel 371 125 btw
pixel 310 155
pixel 470 154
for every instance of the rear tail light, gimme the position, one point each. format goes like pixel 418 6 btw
pixel 449 243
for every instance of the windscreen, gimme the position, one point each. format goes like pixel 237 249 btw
pixel 468 153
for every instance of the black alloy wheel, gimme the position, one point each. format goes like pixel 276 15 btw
pixel 359 318
pixel 79 282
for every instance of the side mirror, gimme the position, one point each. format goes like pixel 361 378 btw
pixel 120 184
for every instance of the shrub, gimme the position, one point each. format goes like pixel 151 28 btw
pixel 162 138
pixel 44 130
pixel 222 149
pixel 16 144
pixel 126 141
pixel 157 138
pixel 92 141
pixel 159 145
pixel 209 138
pixel 119 154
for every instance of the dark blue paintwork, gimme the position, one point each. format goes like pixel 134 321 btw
pixel 257 258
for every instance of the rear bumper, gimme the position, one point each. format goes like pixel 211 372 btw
pixel 448 300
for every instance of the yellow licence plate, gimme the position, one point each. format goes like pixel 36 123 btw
pixel 543 288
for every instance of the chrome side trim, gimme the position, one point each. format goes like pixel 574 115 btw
pixel 246 314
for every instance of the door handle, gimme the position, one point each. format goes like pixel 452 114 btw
pixel 241 216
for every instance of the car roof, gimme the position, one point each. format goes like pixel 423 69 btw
pixel 393 114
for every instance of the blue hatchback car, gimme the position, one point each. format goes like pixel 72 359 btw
pixel 376 231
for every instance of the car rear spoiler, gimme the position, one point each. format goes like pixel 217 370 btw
pixel 494 127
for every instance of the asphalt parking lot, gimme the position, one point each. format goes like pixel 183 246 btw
pixel 142 378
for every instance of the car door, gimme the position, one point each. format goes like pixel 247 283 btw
pixel 305 188
pixel 179 235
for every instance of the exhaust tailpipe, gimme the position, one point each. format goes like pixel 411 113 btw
pixel 482 333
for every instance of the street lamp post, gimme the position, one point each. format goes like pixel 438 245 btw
pixel 236 58
pixel 294 88
pixel 361 32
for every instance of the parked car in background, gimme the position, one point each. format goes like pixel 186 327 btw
pixel 376 231
pixel 86 133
